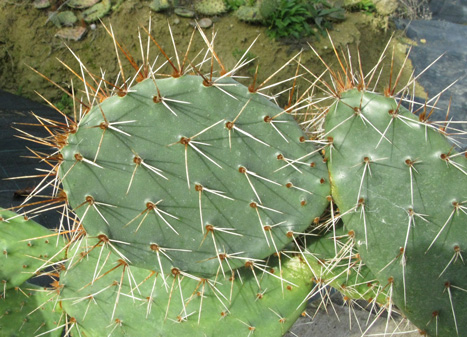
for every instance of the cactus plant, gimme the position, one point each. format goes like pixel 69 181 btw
pixel 195 174
pixel 105 295
pixel 190 199
pixel 27 248
pixel 28 310
pixel 196 168
pixel 403 189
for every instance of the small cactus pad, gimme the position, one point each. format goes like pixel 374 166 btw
pixel 26 248
pixel 181 173
pixel 105 296
pixel 29 311
pixel 404 190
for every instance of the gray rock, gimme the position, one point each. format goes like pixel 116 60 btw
pixel 386 7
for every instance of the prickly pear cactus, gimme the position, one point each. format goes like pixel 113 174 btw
pixel 29 310
pixel 403 189
pixel 26 247
pixel 180 173
pixel 106 296
pixel 181 192
pixel 190 199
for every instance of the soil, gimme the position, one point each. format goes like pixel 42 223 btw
pixel 28 41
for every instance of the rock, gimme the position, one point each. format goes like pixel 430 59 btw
pixel 184 12
pixel 81 3
pixel 66 18
pixel 385 7
pixel 249 14
pixel 268 7
pixel 97 11
pixel 159 5
pixel 205 23
pixel 69 33
pixel 40 4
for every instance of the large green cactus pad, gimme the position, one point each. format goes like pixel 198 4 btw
pixel 29 310
pixel 26 246
pixel 404 190
pixel 192 176
pixel 105 296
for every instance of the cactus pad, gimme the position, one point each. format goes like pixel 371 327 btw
pixel 26 248
pixel 404 190
pixel 194 176
pixel 29 310
pixel 117 299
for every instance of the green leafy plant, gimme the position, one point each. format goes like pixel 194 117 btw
pixel 246 56
pixel 233 5
pixel 297 18
pixel 65 104
pixel 292 18
pixel 364 5
pixel 194 205
pixel 242 54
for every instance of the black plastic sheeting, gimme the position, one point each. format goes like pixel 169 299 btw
pixel 454 11
pixel 445 34
pixel 13 151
